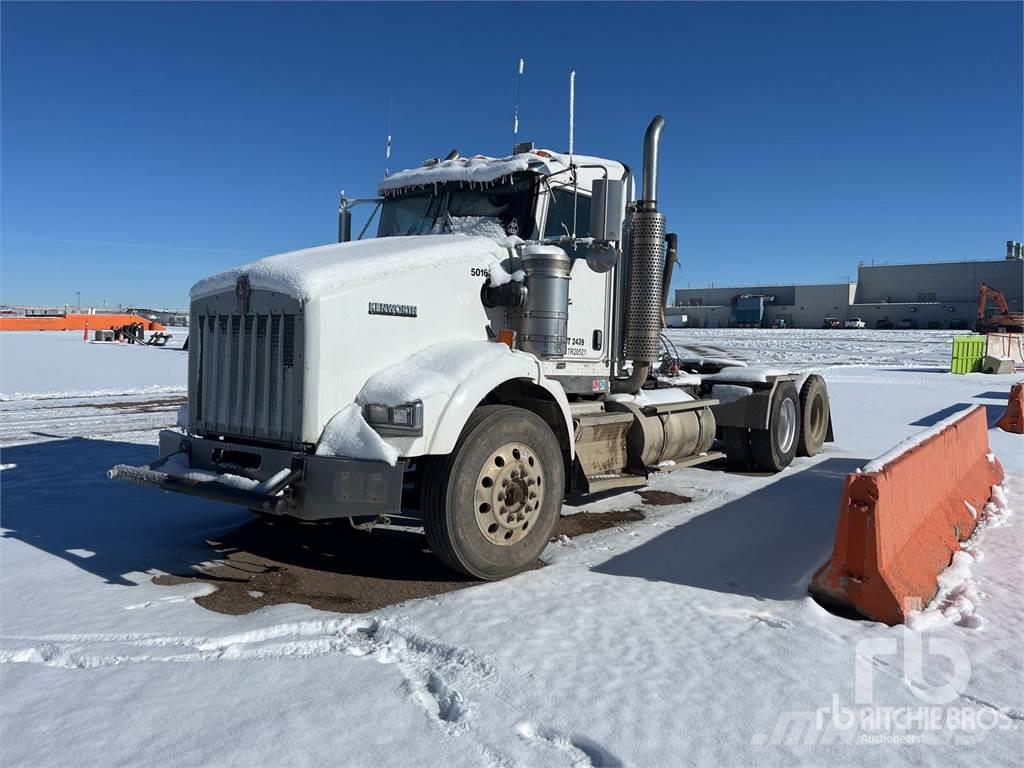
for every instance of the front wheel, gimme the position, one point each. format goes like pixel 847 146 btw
pixel 490 506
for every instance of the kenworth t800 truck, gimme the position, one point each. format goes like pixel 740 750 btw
pixel 498 345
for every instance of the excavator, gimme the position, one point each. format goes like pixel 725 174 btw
pixel 1003 320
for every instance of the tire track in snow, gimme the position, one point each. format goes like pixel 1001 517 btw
pixel 378 638
pixel 430 668
pixel 440 679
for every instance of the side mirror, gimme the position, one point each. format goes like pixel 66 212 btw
pixel 607 209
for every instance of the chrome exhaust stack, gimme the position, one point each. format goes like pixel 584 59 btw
pixel 646 266
pixel 649 187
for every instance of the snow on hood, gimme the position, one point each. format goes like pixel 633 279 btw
pixel 435 371
pixel 477 169
pixel 326 269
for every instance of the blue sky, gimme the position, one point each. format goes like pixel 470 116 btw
pixel 145 145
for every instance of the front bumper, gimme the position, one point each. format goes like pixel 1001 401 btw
pixel 270 480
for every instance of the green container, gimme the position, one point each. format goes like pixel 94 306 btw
pixel 968 354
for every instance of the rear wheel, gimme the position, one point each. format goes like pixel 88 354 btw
pixel 773 449
pixel 814 413
pixel 490 506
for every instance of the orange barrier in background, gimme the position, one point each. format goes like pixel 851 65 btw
pixel 899 526
pixel 1012 419
pixel 75 323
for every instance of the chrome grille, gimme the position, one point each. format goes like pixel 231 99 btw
pixel 245 372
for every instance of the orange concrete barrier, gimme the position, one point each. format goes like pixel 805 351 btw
pixel 1012 419
pixel 902 518
pixel 75 322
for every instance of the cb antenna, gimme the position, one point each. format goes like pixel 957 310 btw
pixel 515 118
pixel 387 145
pixel 572 109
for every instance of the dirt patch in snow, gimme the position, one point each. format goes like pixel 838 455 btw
pixel 589 522
pixel 145 406
pixel 131 406
pixel 662 498
pixel 331 567
pixel 327 566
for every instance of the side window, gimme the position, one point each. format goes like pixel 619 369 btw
pixel 560 209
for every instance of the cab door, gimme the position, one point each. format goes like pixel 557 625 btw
pixel 589 291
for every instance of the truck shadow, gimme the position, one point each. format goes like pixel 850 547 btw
pixel 767 544
pixel 56 497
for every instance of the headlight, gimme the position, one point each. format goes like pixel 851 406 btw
pixel 377 414
pixel 405 419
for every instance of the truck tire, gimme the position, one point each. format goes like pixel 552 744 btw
pixel 736 442
pixel 773 449
pixel 489 507
pixel 814 415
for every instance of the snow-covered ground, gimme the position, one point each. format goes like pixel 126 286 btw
pixel 55 385
pixel 49 364
pixel 687 638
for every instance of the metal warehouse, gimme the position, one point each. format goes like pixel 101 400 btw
pixel 937 295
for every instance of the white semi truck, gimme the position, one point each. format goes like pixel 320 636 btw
pixel 498 345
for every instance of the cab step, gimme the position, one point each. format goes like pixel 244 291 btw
pixel 615 481
pixel 690 461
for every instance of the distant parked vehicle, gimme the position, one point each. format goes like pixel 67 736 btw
pixel 908 324
pixel 884 324
pixel 959 325
pixel 831 322
pixel 855 322
pixel 780 323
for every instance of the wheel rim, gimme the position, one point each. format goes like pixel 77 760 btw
pixel 785 426
pixel 508 496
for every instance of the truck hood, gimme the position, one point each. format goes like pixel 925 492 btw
pixel 321 272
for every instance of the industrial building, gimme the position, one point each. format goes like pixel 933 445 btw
pixel 939 295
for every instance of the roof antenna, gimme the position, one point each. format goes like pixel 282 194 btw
pixel 572 130
pixel 387 147
pixel 515 120
pixel 572 109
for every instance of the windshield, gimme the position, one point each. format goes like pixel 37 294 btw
pixel 510 203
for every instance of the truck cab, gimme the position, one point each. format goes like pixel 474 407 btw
pixel 497 345
pixel 534 196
